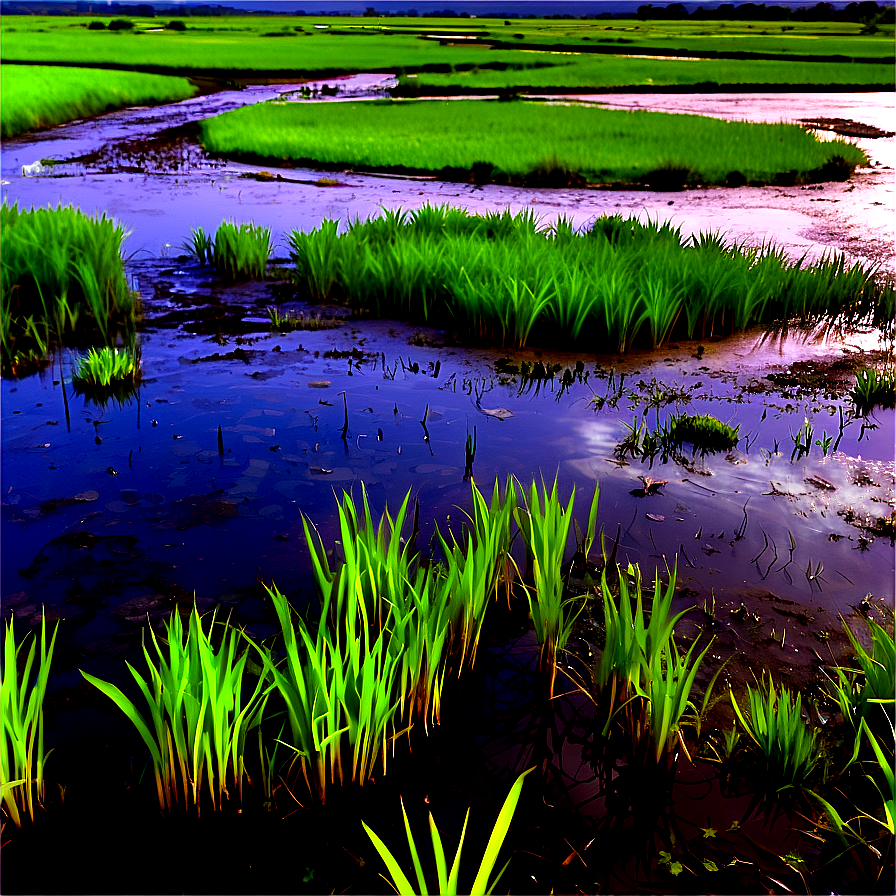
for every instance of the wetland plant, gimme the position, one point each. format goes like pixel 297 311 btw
pixel 448 884
pixel 706 433
pixel 106 368
pixel 502 277
pixel 541 145
pixel 200 245
pixel 874 388
pixel 60 272
pixel 286 323
pixel 22 756
pixel 788 748
pixel 198 715
pixel 642 683
pixel 545 526
pixel 338 688
pixel 864 694
pixel 241 250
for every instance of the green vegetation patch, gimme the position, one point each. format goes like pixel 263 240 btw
pixel 531 143
pixel 502 278
pixel 546 71
pixel 62 272
pixel 39 96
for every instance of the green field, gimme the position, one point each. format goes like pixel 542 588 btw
pixel 552 71
pixel 526 142
pixel 38 96
pixel 307 44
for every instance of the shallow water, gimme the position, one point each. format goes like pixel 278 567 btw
pixel 114 514
pixel 728 519
pixel 160 195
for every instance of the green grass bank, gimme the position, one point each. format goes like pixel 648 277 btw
pixel 38 96
pixel 531 143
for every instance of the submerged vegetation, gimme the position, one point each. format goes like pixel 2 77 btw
pixel 62 273
pixel 38 96
pixel 533 143
pixel 500 277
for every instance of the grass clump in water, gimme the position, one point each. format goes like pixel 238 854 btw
pixel 237 251
pixel 874 388
pixel 38 96
pixel 198 717
pixel 62 272
pixel 107 367
pixel 528 143
pixel 501 277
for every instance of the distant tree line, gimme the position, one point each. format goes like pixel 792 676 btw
pixel 865 12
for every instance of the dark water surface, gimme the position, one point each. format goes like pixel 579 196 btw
pixel 114 513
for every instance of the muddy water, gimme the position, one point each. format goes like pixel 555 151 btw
pixel 114 513
pixel 750 522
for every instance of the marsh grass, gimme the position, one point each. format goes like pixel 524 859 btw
pixel 864 692
pixel 106 368
pixel 198 714
pixel 874 388
pixel 22 755
pixel 642 683
pixel 707 434
pixel 38 96
pixel 448 879
pixel 286 323
pixel 241 250
pixel 528 143
pixel 788 748
pixel 545 526
pixel 502 277
pixel 62 272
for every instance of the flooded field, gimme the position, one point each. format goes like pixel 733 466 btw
pixel 196 485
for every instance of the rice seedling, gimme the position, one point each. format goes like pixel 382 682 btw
pixel 504 277
pixel 589 144
pixel 867 835
pixel 865 693
pixel 198 716
pixel 286 323
pixel 642 683
pixel 38 96
pixel 788 748
pixel 22 756
pixel 545 527
pixel 874 388
pixel 106 367
pixel 448 879
pixel 337 686
pixel 476 569
pixel 200 245
pixel 705 432
pixel 60 271
pixel 241 251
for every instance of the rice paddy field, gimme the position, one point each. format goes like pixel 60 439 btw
pixel 405 530
pixel 37 96
pixel 523 142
